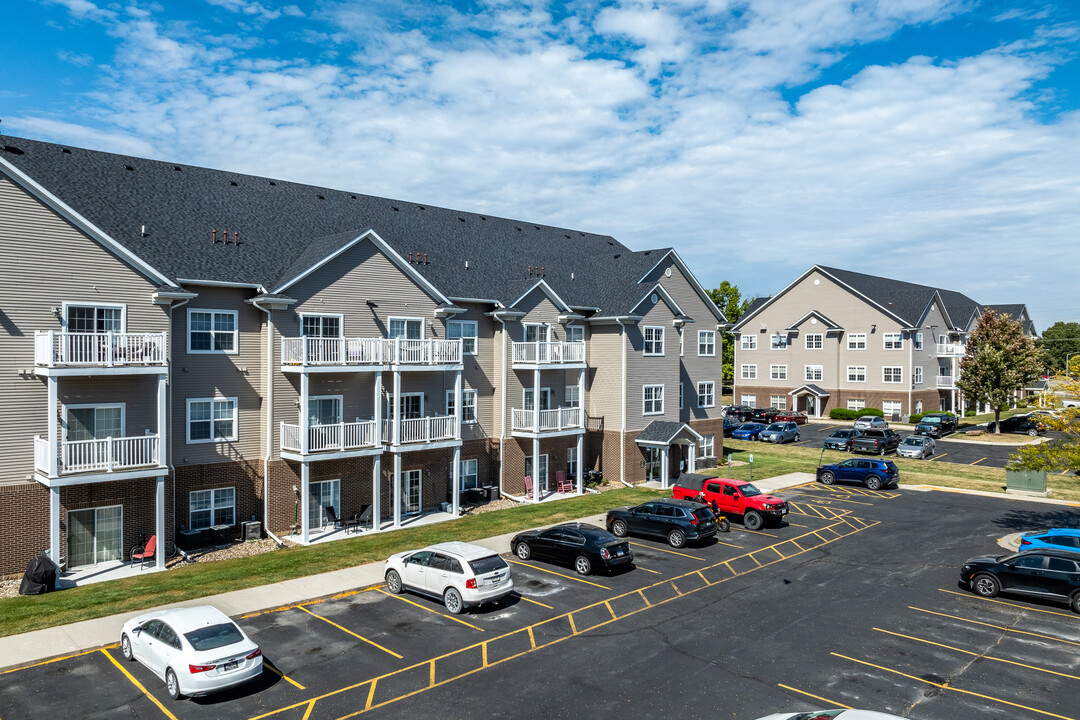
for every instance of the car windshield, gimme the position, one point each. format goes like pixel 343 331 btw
pixel 843 433
pixel 776 426
pixel 932 420
pixel 913 441
pixel 487 564
pixel 749 490
pixel 749 426
pixel 214 636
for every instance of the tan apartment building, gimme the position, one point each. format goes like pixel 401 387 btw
pixel 840 339
pixel 185 348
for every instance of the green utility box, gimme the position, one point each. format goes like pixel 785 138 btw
pixel 1026 481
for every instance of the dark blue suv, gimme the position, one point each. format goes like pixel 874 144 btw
pixel 874 474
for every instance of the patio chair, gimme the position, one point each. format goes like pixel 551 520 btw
pixel 330 517
pixel 353 524
pixel 144 554
pixel 563 485
pixel 528 486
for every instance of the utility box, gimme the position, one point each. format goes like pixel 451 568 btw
pixel 250 530
pixel 1026 482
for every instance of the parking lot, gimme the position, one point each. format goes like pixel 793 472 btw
pixel 854 602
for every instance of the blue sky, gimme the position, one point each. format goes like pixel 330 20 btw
pixel 927 140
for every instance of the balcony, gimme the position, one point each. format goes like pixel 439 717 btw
pixel 341 437
pixel 107 455
pixel 559 420
pixel 951 349
pixel 533 354
pixel 431 429
pixel 946 382
pixel 374 353
pixel 54 349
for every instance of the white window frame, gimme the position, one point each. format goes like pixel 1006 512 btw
pixel 748 372
pixel 464 473
pixel 575 330
pixel 856 341
pixel 898 405
pixel 749 401
pixel 818 341
pixel 918 340
pixel 748 341
pixel 108 306
pixel 856 404
pixel 466 405
pixel 571 462
pixel 892 341
pixel 893 370
pixel 706 446
pixel 657 400
pixel 706 394
pixel 655 342
pixel 682 337
pixel 213 505
pixel 95 406
pixel 572 395
pixel 543 391
pixel 681 393
pixel 213 333
pixel 461 326
pixel 778 372
pixel 856 373
pixel 706 339
pixel 401 397
pixel 778 401
pixel 813 373
pixel 213 402
pixel 918 375
pixel 406 319
pixel 542 329
pixel 340 403
pixel 340 319
pixel 778 341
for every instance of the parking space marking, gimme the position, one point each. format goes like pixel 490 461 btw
pixel 977 461
pixel 350 632
pixel 721 542
pixel 654 572
pixel 137 684
pixel 1002 602
pixel 830 703
pixel 310 707
pixel 272 668
pixel 818 511
pixel 552 572
pixel 937 457
pixel 945 686
pixel 519 596
pixel 758 532
pixel 670 552
pixel 795 524
pixel 996 627
pixel 422 607
pixel 58 659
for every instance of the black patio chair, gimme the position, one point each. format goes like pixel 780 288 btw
pixel 330 517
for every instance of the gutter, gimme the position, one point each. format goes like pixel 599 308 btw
pixel 622 427
pixel 502 409
pixel 172 468
pixel 269 421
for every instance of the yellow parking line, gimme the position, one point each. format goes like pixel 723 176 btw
pixel 434 612
pixel 830 703
pixel 552 572
pixel 758 532
pixel 272 668
pixel 671 552
pixel 977 461
pixel 58 659
pixel 1002 602
pixel 350 632
pixel 937 457
pixel 534 602
pixel 721 542
pixel 654 572
pixel 996 627
pixel 310 707
pixel 796 524
pixel 138 684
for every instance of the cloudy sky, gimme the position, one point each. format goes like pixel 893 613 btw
pixel 927 140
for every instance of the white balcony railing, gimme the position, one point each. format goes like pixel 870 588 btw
pixel 946 381
pixel 104 455
pixel 426 429
pixel 951 349
pixel 321 438
pixel 307 351
pixel 549 353
pixel 566 418
pixel 57 348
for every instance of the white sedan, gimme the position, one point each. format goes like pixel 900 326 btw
pixel 831 714
pixel 195 650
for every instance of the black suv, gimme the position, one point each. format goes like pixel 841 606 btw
pixel 764 415
pixel 1019 424
pixel 936 425
pixel 1053 574
pixel 680 521
pixel 742 413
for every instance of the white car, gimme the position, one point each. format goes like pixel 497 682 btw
pixel 460 574
pixel 871 422
pixel 916 446
pixel 830 714
pixel 195 650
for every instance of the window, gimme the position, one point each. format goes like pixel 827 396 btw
pixel 814 341
pixel 468 405
pixel 573 395
pixel 778 401
pixel 856 373
pixel 571 462
pixel 535 332
pixel 856 341
pixel 466 331
pixel 320 326
pixel 778 342
pixel 918 341
pixel 893 341
pixel 324 410
pixel 212 331
pixel 749 401
pixel 469 478
pixel 323 494
pixel 891 407
pixel 749 342
pixel 706 343
pixel 705 446
pixel 681 348
pixel 406 328
pixel 681 395
pixel 918 375
pixel 748 372
pixel 211 420
pixel 654 341
pixel 892 374
pixel 778 372
pixel 545 399
pixel 94 318
pixel 705 394
pixel 410 405
pixel 94 422
pixel 813 372
pixel 575 333
pixel 652 397
pixel 211 507
pixel 918 406
pixel 856 404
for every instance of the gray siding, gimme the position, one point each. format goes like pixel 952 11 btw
pixel 651 370
pixel 604 393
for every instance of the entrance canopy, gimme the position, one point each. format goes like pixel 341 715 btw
pixel 809 389
pixel 661 433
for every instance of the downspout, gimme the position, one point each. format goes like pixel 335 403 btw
pixel 911 377
pixel 269 422
pixel 502 408
pixel 172 468
pixel 622 428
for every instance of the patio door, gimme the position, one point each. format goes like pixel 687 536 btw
pixel 542 476
pixel 410 492
pixel 320 495
pixel 545 399
pixel 89 422
pixel 653 469
pixel 811 406
pixel 95 535
pixel 536 333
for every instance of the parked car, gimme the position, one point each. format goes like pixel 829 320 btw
pixel 459 574
pixel 196 650
pixel 876 441
pixel 1050 574
pixel 732 497
pixel 747 431
pixel 831 714
pixel 679 521
pixel 583 546
pixel 742 413
pixel 867 422
pixel 841 439
pixel 936 425
pixel 792 416
pixel 916 446
pixel 764 415
pixel 1055 539
pixel 730 424
pixel 874 474
pixel 780 432
pixel 1025 424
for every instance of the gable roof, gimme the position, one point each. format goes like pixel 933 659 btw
pixel 829 324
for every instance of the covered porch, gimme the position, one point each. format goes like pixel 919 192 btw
pixel 670 449
pixel 809 399
pixel 330 533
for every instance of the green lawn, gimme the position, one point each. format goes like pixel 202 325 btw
pixel 25 613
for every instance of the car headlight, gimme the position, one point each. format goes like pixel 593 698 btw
pixel 767 506
pixel 967 568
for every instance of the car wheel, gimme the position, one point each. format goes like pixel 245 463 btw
pixel 393 582
pixel 125 648
pixel 618 528
pixel 827 478
pixel 582 565
pixel 796 438
pixel 676 538
pixel 873 482
pixel 881 452
pixel 523 551
pixel 1075 602
pixel 986 586
pixel 452 601
pixel 1033 433
pixel 724 525
pixel 172 684
pixel 753 520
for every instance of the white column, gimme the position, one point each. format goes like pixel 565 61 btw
pixel 376 494
pixel 536 460
pixel 457 405
pixel 162 423
pixel 378 410
pixel 305 436
pixel 305 483
pixel 159 521
pixel 580 463
pixel 691 457
pixel 536 400
pixel 664 468
pixel 54 523
pixel 396 497
pixel 581 394
pixel 457 481
pixel 395 428
pixel 54 421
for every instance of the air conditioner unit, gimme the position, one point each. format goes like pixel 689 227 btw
pixel 250 530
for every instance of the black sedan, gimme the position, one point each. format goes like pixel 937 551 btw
pixel 1050 574
pixel 841 439
pixel 678 521
pixel 581 545
pixel 1019 424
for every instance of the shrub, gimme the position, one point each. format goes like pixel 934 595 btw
pixel 842 414
pixel 969 413
pixel 915 418
pixel 870 411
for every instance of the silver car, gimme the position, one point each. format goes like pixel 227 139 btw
pixel 871 422
pixel 780 432
pixel 916 446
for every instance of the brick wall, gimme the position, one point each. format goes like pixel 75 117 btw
pixel 839 398
pixel 244 476
pixel 24 512
pixel 517 449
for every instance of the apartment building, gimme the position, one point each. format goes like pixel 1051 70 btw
pixel 184 347
pixel 836 338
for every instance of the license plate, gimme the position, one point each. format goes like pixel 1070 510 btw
pixel 618 553
pixel 783 511
pixel 231 665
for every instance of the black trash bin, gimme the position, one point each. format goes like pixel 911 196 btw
pixel 40 576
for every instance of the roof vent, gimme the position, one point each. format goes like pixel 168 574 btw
pixel 13 150
pixel 461 219
pixel 353 197
pixel 66 151
pixel 518 229
pixel 273 183
pixel 128 168
pixel 177 168
pixel 536 226
pixel 617 255
pixel 483 218
pixel 321 197
pixel 610 243
pixel 233 183
pixel 393 208
pixel 420 206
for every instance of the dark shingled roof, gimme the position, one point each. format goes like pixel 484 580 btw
pixel 660 431
pixel 812 388
pixel 286 227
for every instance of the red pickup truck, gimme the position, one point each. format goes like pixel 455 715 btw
pixel 732 497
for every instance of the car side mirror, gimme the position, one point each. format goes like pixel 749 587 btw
pixel 137 630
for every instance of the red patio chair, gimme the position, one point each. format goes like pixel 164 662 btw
pixel 563 485
pixel 145 553
pixel 528 486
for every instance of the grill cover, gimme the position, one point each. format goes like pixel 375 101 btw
pixel 40 577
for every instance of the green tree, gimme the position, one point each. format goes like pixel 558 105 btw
pixel 730 301
pixel 1000 358
pixel 1055 455
pixel 1059 341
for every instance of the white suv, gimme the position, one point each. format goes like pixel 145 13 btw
pixel 461 574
